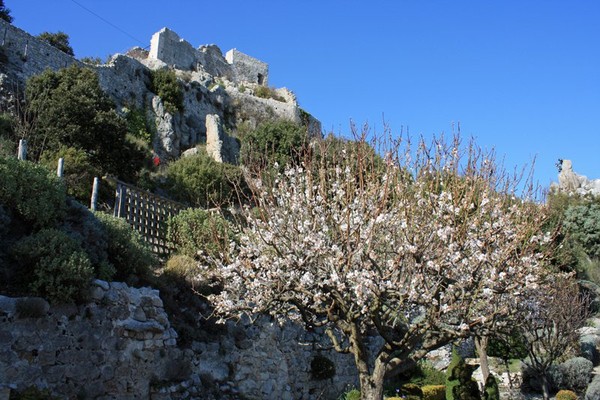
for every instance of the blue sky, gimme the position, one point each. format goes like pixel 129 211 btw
pixel 519 76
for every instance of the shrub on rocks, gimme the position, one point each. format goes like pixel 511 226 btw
pixel 593 390
pixel 575 374
pixel 566 395
pixel 434 392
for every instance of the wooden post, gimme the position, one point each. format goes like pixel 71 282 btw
pixel 94 200
pixel 120 198
pixel 22 154
pixel 59 169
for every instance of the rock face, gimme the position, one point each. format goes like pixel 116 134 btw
pixel 212 85
pixel 121 346
pixel 570 182
pixel 220 146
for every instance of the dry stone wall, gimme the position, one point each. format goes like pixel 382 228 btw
pixel 121 345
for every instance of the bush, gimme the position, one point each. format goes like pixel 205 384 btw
pixel 181 267
pixel 54 265
pixel 281 142
pixel 78 170
pixel 200 234
pixel 593 390
pixel 322 368
pixel 353 394
pixel 451 380
pixel 566 395
pixel 200 181
pixel 434 392
pixel 167 87
pixel 575 374
pixel 266 92
pixel 30 192
pixel 490 389
pixel 127 251
pixel 410 391
pixel 60 40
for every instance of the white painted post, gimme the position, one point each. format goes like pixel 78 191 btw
pixel 94 200
pixel 59 169
pixel 22 154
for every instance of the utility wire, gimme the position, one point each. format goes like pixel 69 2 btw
pixel 111 24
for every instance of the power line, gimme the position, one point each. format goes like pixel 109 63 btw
pixel 111 24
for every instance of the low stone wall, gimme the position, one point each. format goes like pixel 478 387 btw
pixel 121 346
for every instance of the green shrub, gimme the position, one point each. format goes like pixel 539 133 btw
pixel 60 40
pixel 127 251
pixel 202 182
pixel 566 395
pixel 466 388
pixel 353 394
pixel 281 142
pixel 54 265
pixel 451 379
pixel 78 170
pixel 268 93
pixel 490 389
pixel 434 392
pixel 181 266
pixel 31 192
pixel 575 374
pixel 322 368
pixel 410 391
pixel 137 124
pixel 200 234
pixel 167 87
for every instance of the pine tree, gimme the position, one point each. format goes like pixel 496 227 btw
pixel 5 12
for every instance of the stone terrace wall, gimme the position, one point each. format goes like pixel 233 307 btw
pixel 121 346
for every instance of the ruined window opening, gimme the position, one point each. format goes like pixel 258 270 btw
pixel 261 79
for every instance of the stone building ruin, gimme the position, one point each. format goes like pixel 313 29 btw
pixel 237 67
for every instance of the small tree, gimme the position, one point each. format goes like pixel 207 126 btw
pixel 549 322
pixel 60 40
pixel 419 250
pixel 5 13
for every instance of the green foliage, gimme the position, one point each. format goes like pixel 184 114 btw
pixel 29 192
pixel 322 368
pixel 566 395
pixel 69 107
pixel 575 374
pixel 127 250
pixel 281 142
pixel 583 223
pixel 167 87
pixel 5 13
pixel 451 380
pixel 353 394
pixel 410 391
pixel 200 234
pixel 78 170
pixel 92 60
pixel 59 268
pixel 508 346
pixel 434 392
pixel 202 182
pixel 490 390
pixel 181 266
pixel 60 40
pixel 268 93
pixel 137 125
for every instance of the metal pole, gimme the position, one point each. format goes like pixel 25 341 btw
pixel 22 154
pixel 94 194
pixel 59 169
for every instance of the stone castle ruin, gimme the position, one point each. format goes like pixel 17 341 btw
pixel 572 183
pixel 222 86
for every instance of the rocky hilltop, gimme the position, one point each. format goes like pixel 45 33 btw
pixel 231 88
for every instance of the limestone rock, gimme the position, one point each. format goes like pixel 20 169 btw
pixel 220 146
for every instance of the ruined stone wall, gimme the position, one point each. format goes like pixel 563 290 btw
pixel 22 55
pixel 246 68
pixel 121 346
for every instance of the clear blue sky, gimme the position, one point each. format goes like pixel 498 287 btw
pixel 520 76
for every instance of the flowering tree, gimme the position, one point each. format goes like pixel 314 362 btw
pixel 416 248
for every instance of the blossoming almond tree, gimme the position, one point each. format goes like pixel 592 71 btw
pixel 415 249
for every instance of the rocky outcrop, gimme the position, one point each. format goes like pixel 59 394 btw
pixel 220 146
pixel 571 182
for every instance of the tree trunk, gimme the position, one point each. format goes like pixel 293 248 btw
pixel 371 386
pixel 481 344
pixel 545 389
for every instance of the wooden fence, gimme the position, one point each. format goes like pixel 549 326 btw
pixel 147 213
